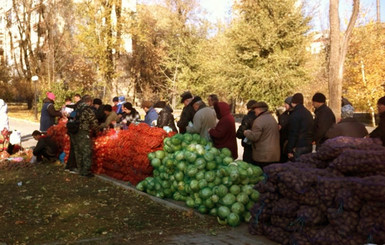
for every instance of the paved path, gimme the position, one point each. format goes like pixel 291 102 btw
pixel 25 128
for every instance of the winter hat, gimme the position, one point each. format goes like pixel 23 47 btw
pixel 288 100
pixel 260 105
pixel 196 99
pixel 250 103
pixel 122 98
pixel 160 104
pixel 381 101
pixel 186 95
pixel 319 97
pixel 347 111
pixel 115 99
pixel 297 98
pixel 97 101
pixel 50 96
pixel 128 106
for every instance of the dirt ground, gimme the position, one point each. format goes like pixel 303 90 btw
pixel 43 204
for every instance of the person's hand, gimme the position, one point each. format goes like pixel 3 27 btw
pixel 247 130
pixel 290 156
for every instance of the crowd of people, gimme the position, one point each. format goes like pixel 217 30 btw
pixel 266 138
pixel 297 132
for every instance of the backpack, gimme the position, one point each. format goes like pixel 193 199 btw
pixel 73 122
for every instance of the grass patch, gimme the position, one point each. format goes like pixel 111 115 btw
pixel 20 110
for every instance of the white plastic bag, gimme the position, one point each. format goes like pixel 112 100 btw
pixel 15 138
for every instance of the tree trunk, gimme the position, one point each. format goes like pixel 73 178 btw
pixel 338 48
pixel 378 12
pixel 335 84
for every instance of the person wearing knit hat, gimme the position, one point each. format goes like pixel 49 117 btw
pixel 283 123
pixel 247 123
pixel 347 126
pixel 297 99
pixel 51 96
pixel 188 112
pixel 48 112
pixel 264 136
pixel 323 120
pixel 379 132
pixel 300 129
pixel 319 97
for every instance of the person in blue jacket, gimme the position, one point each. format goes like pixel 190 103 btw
pixel 151 115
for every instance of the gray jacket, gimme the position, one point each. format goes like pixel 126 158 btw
pixel 204 119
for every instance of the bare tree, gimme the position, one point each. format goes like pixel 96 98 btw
pixel 338 48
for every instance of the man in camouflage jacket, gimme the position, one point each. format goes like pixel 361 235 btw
pixel 83 142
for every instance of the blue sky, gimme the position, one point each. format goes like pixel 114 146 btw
pixel 219 9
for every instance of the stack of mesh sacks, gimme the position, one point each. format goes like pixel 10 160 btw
pixel 334 196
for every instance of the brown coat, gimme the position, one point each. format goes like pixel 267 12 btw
pixel 264 136
pixel 347 127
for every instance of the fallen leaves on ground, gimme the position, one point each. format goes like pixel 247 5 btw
pixel 51 205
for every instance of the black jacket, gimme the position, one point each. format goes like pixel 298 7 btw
pixel 187 115
pixel 300 128
pixel 379 132
pixel 166 119
pixel 100 115
pixel 324 119
pixel 247 123
pixel 349 127
pixel 283 121
pixel 46 146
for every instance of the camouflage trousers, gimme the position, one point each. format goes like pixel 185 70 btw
pixel 83 151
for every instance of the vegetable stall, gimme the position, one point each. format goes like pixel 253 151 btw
pixel 191 170
pixel 121 154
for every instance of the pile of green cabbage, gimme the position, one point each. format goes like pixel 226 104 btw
pixel 190 169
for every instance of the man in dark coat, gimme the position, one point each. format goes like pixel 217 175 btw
pixel 379 132
pixel 165 118
pixel 247 123
pixel 300 131
pixel 48 112
pixel 45 148
pixel 348 126
pixel 71 164
pixel 324 118
pixel 188 112
pixel 223 135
